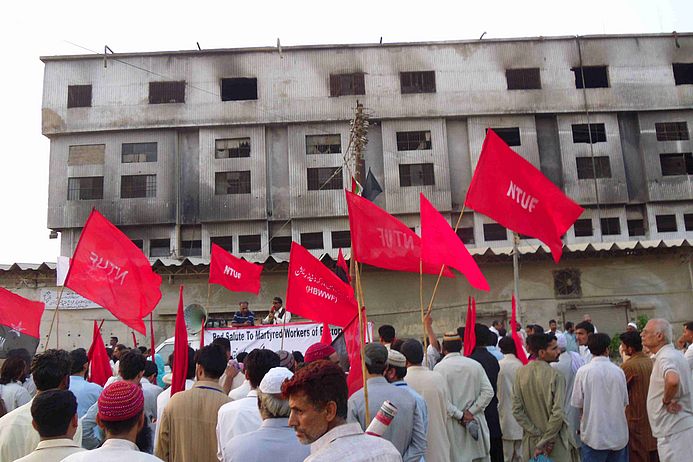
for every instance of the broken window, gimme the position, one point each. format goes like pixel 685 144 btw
pixel 236 182
pixel 85 188
pixel 323 144
pixel 666 223
pixel 583 227
pixel 160 248
pixel 511 135
pixel 280 244
pixel 225 242
pixel 86 154
pixel 324 178
pixel 494 232
pixel 238 89
pixel 595 134
pixel 672 131
pixel 191 248
pixel 688 221
pixel 341 239
pixel 610 226
pixel 416 175
pixel 133 186
pixel 139 243
pixel 166 92
pixel 347 84
pixel 249 243
pixel 566 283
pixel 413 141
pixel 586 169
pixel 138 152
pixel 78 96
pixel 636 227
pixel 523 79
pixel 683 73
pixel 466 235
pixel 678 163
pixel 417 82
pixel 591 77
pixel 312 240
pixel 232 148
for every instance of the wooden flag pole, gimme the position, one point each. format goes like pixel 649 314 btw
pixel 421 305
pixel 362 334
pixel 516 276
pixel 50 330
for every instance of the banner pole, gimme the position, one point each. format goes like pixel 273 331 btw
pixel 516 276
pixel 50 330
pixel 362 335
pixel 421 305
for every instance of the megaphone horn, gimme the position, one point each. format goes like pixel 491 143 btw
pixel 194 315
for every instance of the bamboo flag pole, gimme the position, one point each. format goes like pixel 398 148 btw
pixel 421 305
pixel 55 314
pixel 516 276
pixel 362 335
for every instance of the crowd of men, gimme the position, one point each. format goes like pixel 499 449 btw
pixel 570 402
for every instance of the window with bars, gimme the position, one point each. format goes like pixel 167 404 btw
pixel 191 248
pixel 232 148
pixel 595 134
pixel 86 154
pixel 523 79
pixel 133 186
pixel 591 77
pixel 495 232
pixel 166 92
pixel 322 178
pixel 416 175
pixel 280 244
pixel 688 221
pixel 225 242
pixel 160 248
pixel 511 135
pixel 236 182
pixel 466 234
pixel 239 89
pixel 323 144
pixel 138 152
pixel 666 223
pixel 414 141
pixel 85 188
pixel 312 241
pixel 341 239
pixel 677 163
pixel 610 226
pixel 672 131
pixel 417 82
pixel 566 283
pixel 586 169
pixel 249 243
pixel 683 73
pixel 78 96
pixel 583 227
pixel 347 84
pixel 636 227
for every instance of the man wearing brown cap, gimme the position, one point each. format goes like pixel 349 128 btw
pixel 121 417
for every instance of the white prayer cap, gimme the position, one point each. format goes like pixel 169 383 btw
pixel 633 325
pixel 272 382
pixel 396 359
pixel 561 342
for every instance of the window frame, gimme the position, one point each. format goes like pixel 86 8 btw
pixel 426 82
pixel 247 243
pixel 685 163
pixel 357 86
pixel 234 186
pixel 523 78
pixel 334 180
pixel 77 96
pixel 148 157
pixel 131 191
pixel 79 189
pixel 427 175
pixel 410 140
pixel 601 81
pixel 174 94
pixel 226 82
pixel 585 169
pixel 242 151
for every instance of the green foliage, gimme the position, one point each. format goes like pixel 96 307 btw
pixel 616 342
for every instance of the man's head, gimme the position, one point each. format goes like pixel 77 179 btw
pixel 318 351
pixel 121 406
pixel 396 366
pixel 452 343
pixel 151 371
pixel 277 303
pixel 269 394
pixel 656 334
pixel 143 350
pixel 13 369
pixel 582 331
pixel 80 362
pixel 570 327
pixel 243 307
pixel 543 346
pixel 375 357
pixel 51 369
pixel 286 360
pixel 257 363
pixel 190 375
pixel 317 396
pixel 553 325
pixel 54 414
pixel 118 351
pixel 587 318
pixel 210 362
pixel 386 333
pixel 631 343
pixel 631 327
pixel 688 332
pixel 507 346
pixel 413 352
pixel 484 336
pixel 225 345
pixel 21 353
pixel 497 324
pixel 529 329
pixel 599 344
pixel 113 342
pixel 131 366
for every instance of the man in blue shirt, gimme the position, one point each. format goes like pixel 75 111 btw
pixel 87 393
pixel 244 317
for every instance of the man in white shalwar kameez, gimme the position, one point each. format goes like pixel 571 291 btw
pixel 512 431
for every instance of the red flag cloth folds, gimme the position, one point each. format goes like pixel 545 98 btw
pixel 515 336
pixel 20 322
pixel 108 269
pixel 180 349
pixel 326 336
pixel 514 193
pixel 316 292
pixel 379 239
pixel 99 364
pixel 353 336
pixel 134 339
pixel 233 273
pixel 469 325
pixel 441 246
pixel 342 264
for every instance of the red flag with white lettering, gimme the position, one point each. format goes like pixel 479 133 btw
pixel 379 239
pixel 110 270
pixel 514 193
pixel 315 292
pixel 233 273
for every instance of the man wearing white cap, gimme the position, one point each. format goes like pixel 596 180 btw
pixel 274 440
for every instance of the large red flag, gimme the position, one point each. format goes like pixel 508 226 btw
pixel 20 322
pixel 469 326
pixel 180 349
pixel 233 273
pixel 109 269
pixel 515 336
pixel 317 293
pixel 514 193
pixel 353 336
pixel 379 239
pixel 441 246
pixel 99 364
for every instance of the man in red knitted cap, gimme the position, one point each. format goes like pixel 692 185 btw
pixel 318 351
pixel 121 417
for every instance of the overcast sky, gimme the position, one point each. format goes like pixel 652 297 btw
pixel 36 28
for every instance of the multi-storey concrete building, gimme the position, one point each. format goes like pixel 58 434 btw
pixel 244 147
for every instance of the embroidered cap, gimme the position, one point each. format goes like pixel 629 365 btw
pixel 396 359
pixel 286 359
pixel 318 351
pixel 120 401
pixel 273 379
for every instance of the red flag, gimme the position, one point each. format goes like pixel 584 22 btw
pixel 99 364
pixel 202 333
pixel 233 273
pixel 469 325
pixel 151 334
pixel 515 336
pixel 353 336
pixel 20 322
pixel 342 265
pixel 180 349
pixel 326 336
pixel 315 292
pixel 379 239
pixel 513 192
pixel 441 246
pixel 134 339
pixel 108 269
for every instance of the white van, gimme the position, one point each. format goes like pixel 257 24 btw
pixel 165 349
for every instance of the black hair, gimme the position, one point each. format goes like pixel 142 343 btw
pixel 400 372
pixel 507 346
pixel 632 340
pixel 131 363
pixel 50 369
pixel 376 368
pixel 53 410
pixel 569 324
pixel 586 326
pixel 277 299
pixel 397 344
pixel 689 326
pixel 537 342
pixel 212 358
pixel 598 343
pixel 452 346
pixel 22 353
pixel 298 357
pixel 143 349
pixel 552 321
pixel 387 333
pixel 484 336
pixel 79 359
pixel 121 427
pixel 114 337
pixel 12 369
pixel 257 363
pixel 240 357
pixel 224 343
pixel 150 368
pixel 538 329
pixel 413 351
pixel 496 322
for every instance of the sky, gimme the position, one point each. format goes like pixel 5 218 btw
pixel 31 29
